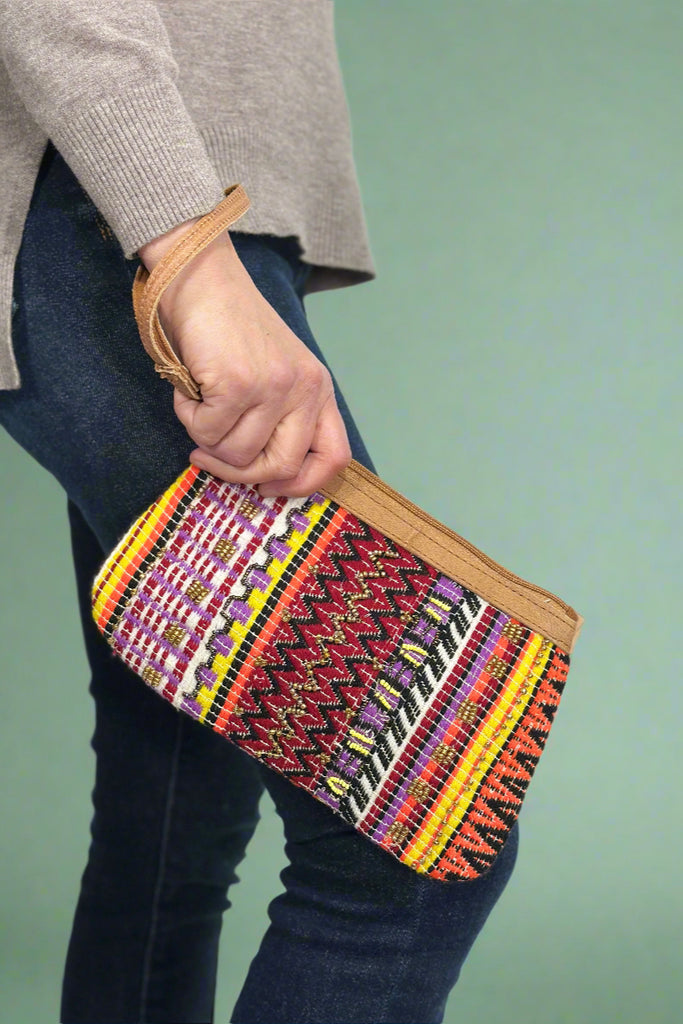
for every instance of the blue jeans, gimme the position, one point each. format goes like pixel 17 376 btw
pixel 354 935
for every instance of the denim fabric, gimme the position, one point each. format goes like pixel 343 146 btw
pixel 354 935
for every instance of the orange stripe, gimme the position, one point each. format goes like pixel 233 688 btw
pixel 266 634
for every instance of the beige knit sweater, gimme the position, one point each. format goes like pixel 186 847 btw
pixel 156 105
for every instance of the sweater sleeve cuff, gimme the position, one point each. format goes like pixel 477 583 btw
pixel 142 161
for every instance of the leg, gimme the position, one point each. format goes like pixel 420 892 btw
pixel 174 809
pixel 161 857
pixel 356 936
pixel 174 805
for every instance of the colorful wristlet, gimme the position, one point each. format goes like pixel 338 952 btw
pixel 347 640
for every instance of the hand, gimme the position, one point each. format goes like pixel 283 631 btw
pixel 268 414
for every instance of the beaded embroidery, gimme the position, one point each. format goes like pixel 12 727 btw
pixel 399 698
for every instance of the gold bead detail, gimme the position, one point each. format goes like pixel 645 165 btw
pixel 151 676
pixel 197 591
pixel 225 549
pixel 174 634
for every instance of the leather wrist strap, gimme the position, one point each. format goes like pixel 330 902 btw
pixel 148 288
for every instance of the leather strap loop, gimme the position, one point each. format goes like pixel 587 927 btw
pixel 148 288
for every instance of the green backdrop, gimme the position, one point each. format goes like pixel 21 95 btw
pixel 516 369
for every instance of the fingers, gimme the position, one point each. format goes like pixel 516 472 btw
pixel 330 453
pixel 267 414
pixel 208 421
pixel 260 445
pixel 283 468
pixel 272 412
pixel 280 444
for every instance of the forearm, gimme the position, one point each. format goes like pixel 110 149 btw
pixel 99 78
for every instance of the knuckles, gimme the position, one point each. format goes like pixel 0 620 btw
pixel 207 436
pixel 281 379
pixel 315 378
pixel 239 458
pixel 341 459
pixel 284 468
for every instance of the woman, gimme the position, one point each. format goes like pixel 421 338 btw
pixel 119 126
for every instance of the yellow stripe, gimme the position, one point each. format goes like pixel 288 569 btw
pixel 111 576
pixel 451 808
pixel 257 598
pixel 337 785
pixel 115 573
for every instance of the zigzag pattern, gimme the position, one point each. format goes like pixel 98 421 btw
pixel 393 694
pixel 484 829
pixel 334 656
pixel 307 679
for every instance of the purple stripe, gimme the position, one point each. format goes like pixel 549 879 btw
pixel 172 619
pixel 327 797
pixel 191 707
pixel 261 530
pixel 244 493
pixel 216 489
pixel 449 589
pixel 206 677
pixel 259 578
pixel 239 610
pixel 396 671
pixel 278 549
pixel 374 716
pixel 266 507
pixel 446 717
pixel 191 570
pixel 299 520
pixel 498 620
pixel 146 661
pixel 214 527
pixel 220 534
pixel 168 647
pixel 167 585
pixel 222 643
pixel 227 509
pixel 228 571
pixel 205 553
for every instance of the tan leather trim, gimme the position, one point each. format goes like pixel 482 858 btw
pixel 148 288
pixel 379 505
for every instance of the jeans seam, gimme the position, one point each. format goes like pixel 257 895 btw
pixel 156 899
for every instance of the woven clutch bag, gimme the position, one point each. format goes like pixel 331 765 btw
pixel 347 640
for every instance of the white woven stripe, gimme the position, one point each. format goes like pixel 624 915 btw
pixel 240 588
pixel 375 773
pixel 191 561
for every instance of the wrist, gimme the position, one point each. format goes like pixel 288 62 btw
pixel 153 251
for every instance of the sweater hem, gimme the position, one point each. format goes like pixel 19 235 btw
pixel 10 379
pixel 331 240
